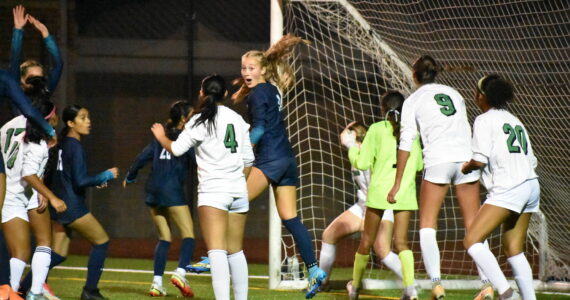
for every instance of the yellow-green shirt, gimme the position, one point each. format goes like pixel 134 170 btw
pixel 378 153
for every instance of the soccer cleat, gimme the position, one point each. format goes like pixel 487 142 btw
pixel 199 267
pixel 437 291
pixel 410 293
pixel 182 284
pixel 32 296
pixel 316 278
pixel 88 294
pixel 514 295
pixel 48 293
pixel 352 291
pixel 486 293
pixel 156 291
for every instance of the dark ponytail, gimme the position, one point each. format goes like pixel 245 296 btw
pixel 499 92
pixel 178 110
pixel 68 114
pixel 214 91
pixel 426 69
pixel 34 133
pixel 38 89
pixel 392 102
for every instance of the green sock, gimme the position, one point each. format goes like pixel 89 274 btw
pixel 407 260
pixel 360 263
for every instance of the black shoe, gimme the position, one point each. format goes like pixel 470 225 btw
pixel 89 294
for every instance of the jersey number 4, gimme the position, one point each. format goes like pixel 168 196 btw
pixel 14 148
pixel 230 138
pixel 447 107
pixel 516 134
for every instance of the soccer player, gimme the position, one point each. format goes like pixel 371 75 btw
pixel 265 75
pixel 166 200
pixel 32 68
pixel 70 183
pixel 502 149
pixel 438 112
pixel 378 153
pixel 352 220
pixel 25 149
pixel 224 156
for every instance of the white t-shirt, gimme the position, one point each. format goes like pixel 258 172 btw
pixel 221 156
pixel 501 141
pixel 438 112
pixel 20 160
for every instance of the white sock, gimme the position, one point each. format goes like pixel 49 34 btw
pixel 16 270
pixel 482 275
pixel 157 280
pixel 40 268
pixel 180 272
pixel 239 273
pixel 430 253
pixel 485 259
pixel 327 258
pixel 220 270
pixel 392 261
pixel 523 275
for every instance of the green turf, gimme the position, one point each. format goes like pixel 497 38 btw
pixel 126 286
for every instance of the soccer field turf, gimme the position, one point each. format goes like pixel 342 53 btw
pixel 67 283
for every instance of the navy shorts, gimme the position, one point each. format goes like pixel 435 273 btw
pixel 282 172
pixel 74 211
pixel 164 199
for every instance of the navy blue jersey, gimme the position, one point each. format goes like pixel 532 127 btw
pixel 268 131
pixel 165 184
pixel 71 180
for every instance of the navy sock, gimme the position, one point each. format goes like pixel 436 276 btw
pixel 4 261
pixel 160 255
pixel 95 265
pixel 26 283
pixel 302 239
pixel 186 251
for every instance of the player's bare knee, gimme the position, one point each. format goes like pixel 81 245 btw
pixel 400 245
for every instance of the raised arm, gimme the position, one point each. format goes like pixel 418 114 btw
pixel 187 139
pixel 20 20
pixel 51 45
pixel 362 158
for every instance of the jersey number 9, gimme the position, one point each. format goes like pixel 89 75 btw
pixel 447 107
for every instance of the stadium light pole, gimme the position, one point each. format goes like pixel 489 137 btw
pixel 276 27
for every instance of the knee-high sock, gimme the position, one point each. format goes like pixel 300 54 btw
pixel 220 269
pixel 360 263
pixel 302 239
pixel 16 270
pixel 4 262
pixel 55 260
pixel 40 268
pixel 239 274
pixel 160 256
pixel 186 251
pixel 392 261
pixel 485 259
pixel 407 260
pixel 430 253
pixel 523 275
pixel 95 265
pixel 482 275
pixel 328 256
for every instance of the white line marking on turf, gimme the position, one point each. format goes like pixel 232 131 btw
pixel 145 272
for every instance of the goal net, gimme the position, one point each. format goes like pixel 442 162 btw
pixel 359 49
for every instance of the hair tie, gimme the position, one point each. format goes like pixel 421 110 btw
pixel 480 84
pixel 51 114
pixel 396 114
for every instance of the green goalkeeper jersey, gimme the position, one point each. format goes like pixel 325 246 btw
pixel 378 153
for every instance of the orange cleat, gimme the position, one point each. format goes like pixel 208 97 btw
pixel 182 284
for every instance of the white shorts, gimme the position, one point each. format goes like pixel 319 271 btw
pixel 523 198
pixel 224 201
pixel 450 173
pixel 359 209
pixel 15 208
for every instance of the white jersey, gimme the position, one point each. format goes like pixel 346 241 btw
pixel 20 160
pixel 222 155
pixel 362 180
pixel 500 140
pixel 438 112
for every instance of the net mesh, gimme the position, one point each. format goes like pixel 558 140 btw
pixel 359 49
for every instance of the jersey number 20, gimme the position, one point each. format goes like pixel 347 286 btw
pixel 447 107
pixel 230 138
pixel 517 133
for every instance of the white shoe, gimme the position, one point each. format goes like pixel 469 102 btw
pixel 352 291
